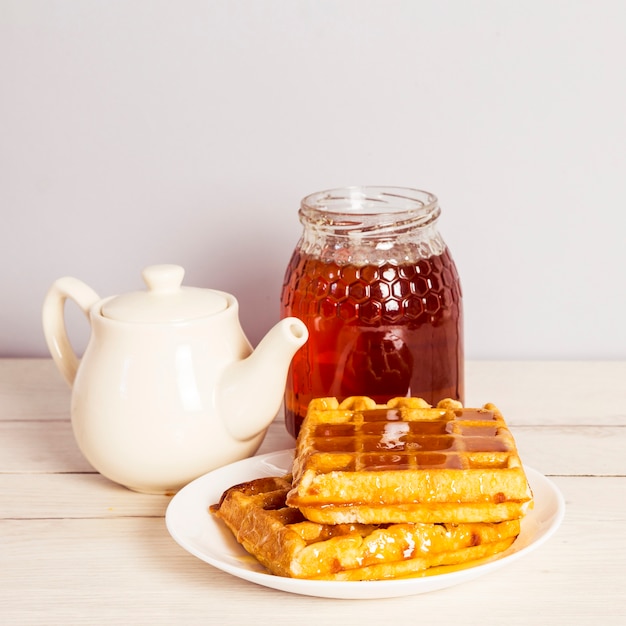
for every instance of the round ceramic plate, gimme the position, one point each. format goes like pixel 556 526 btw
pixel 201 534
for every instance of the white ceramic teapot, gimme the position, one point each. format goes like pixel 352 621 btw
pixel 168 387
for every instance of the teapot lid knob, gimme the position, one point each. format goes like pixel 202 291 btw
pixel 163 278
pixel 165 300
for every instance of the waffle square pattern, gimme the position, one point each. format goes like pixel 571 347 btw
pixel 289 545
pixel 406 461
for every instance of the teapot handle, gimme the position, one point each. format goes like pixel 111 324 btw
pixel 53 317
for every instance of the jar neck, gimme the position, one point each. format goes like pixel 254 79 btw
pixel 371 225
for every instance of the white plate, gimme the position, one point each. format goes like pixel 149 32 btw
pixel 198 532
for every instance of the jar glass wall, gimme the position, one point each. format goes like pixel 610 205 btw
pixel 376 286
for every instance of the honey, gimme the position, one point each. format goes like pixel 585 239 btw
pixel 381 439
pixel 392 331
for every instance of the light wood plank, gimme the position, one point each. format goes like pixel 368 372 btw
pixel 573 450
pixel 550 392
pixel 128 570
pixel 32 389
pixel 49 447
pixel 528 392
pixel 42 464
pixel 58 496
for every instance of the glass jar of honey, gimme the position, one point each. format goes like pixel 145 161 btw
pixel 378 290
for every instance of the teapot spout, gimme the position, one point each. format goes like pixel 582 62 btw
pixel 251 391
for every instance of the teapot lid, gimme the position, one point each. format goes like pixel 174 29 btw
pixel 165 300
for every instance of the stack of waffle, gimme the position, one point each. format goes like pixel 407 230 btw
pixel 384 491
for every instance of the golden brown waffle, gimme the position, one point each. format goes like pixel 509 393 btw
pixel 288 545
pixel 406 462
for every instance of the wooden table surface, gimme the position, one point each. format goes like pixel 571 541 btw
pixel 78 549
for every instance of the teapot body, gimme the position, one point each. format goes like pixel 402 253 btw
pixel 143 401
pixel 169 387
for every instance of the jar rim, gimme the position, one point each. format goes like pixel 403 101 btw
pixel 367 205
pixel 370 199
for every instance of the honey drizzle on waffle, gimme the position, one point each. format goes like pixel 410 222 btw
pixel 405 436
pixel 287 544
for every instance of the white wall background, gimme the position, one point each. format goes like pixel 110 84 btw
pixel 138 132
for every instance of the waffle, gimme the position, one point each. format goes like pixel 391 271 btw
pixel 289 545
pixel 406 461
